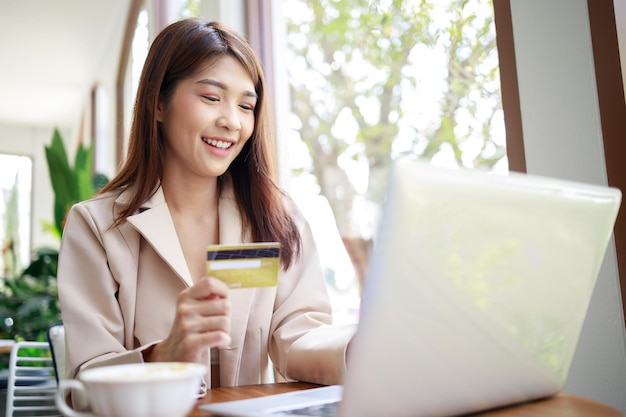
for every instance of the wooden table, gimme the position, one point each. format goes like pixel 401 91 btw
pixel 559 406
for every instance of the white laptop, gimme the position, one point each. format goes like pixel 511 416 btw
pixel 475 297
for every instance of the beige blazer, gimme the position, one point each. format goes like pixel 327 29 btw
pixel 118 288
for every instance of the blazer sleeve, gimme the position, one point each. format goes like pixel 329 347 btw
pixel 305 345
pixel 88 294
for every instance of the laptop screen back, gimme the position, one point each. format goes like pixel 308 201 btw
pixel 477 290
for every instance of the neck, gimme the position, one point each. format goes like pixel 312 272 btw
pixel 193 199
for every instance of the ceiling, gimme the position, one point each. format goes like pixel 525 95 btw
pixel 51 53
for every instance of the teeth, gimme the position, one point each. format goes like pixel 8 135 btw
pixel 218 143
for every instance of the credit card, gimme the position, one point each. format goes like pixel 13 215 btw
pixel 245 265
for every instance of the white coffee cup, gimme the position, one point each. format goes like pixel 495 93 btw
pixel 155 389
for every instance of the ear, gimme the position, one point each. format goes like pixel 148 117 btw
pixel 160 111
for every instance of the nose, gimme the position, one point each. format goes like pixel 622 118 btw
pixel 229 118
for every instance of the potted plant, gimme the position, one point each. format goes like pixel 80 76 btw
pixel 28 301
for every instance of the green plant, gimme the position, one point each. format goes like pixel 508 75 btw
pixel 28 301
pixel 70 184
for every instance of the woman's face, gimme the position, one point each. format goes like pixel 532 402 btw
pixel 208 120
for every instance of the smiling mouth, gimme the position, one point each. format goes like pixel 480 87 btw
pixel 217 143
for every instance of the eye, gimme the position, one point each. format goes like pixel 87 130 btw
pixel 247 107
pixel 211 98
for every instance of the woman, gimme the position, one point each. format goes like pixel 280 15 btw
pixel 199 171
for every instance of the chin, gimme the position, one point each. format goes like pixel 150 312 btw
pixel 214 173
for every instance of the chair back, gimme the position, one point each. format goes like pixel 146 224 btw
pixel 56 338
pixel 31 386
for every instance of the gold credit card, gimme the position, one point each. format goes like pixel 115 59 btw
pixel 245 265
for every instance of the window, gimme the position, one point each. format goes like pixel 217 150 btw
pixel 15 210
pixel 374 80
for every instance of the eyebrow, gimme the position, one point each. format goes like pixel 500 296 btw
pixel 223 86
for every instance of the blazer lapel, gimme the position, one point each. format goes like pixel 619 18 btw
pixel 155 224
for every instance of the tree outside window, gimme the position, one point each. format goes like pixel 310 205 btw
pixel 374 80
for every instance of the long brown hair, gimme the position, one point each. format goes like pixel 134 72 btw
pixel 178 52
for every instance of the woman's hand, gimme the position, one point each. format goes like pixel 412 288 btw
pixel 202 321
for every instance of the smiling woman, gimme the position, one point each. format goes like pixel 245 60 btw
pixel 200 171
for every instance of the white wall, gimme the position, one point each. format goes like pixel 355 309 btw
pixel 563 138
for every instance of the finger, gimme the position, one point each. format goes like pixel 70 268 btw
pixel 213 307
pixel 198 327
pixel 209 287
pixel 210 324
pixel 216 339
pixel 213 331
pixel 202 319
pixel 192 309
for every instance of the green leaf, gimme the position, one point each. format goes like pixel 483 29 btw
pixel 61 175
pixel 57 146
pixel 50 227
pixel 83 173
pixel 62 178
pixel 60 210
pixel 44 265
